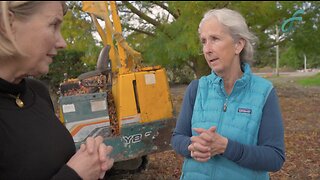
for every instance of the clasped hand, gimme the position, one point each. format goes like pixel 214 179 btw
pixel 208 144
pixel 92 160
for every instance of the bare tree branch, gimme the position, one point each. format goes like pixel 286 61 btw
pixel 139 30
pixel 281 41
pixel 141 15
pixel 174 14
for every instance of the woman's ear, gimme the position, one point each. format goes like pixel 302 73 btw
pixel 239 46
pixel 2 29
pixel 10 21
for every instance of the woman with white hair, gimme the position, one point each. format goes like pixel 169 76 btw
pixel 34 144
pixel 230 124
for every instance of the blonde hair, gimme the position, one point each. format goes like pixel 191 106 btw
pixel 21 10
pixel 237 27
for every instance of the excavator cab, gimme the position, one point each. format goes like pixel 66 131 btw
pixel 129 105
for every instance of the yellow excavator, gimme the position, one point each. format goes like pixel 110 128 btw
pixel 123 101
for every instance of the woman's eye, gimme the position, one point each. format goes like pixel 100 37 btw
pixel 214 38
pixel 56 23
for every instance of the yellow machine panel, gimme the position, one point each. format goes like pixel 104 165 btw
pixel 153 95
pixel 145 93
pixel 124 94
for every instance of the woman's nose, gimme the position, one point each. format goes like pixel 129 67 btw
pixel 207 48
pixel 61 43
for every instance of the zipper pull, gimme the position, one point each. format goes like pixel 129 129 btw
pixel 225 107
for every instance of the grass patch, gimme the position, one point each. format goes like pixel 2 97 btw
pixel 310 81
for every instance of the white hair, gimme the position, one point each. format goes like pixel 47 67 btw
pixel 237 27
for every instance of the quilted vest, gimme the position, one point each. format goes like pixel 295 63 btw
pixel 237 117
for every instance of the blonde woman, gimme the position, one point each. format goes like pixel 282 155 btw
pixel 33 142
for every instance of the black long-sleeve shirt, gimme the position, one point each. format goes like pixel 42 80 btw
pixel 34 144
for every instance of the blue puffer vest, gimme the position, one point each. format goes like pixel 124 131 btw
pixel 236 117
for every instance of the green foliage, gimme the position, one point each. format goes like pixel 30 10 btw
pixel 77 29
pixel 175 43
pixel 178 75
pixel 290 58
pixel 173 40
pixel 313 60
pixel 67 61
pixel 262 19
pixel 302 39
pixel 310 81
pixel 307 32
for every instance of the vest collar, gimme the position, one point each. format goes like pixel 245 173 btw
pixel 245 79
pixel 239 84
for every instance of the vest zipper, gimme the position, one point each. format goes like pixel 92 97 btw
pixel 225 105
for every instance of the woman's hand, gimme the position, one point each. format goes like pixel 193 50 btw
pixel 104 151
pixel 200 149
pixel 106 162
pixel 92 160
pixel 209 143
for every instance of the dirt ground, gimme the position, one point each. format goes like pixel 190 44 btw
pixel 301 114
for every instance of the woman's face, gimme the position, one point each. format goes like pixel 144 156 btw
pixel 39 38
pixel 219 48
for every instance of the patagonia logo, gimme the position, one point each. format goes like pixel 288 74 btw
pixel 244 110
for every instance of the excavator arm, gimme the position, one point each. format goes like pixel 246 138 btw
pixel 124 59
